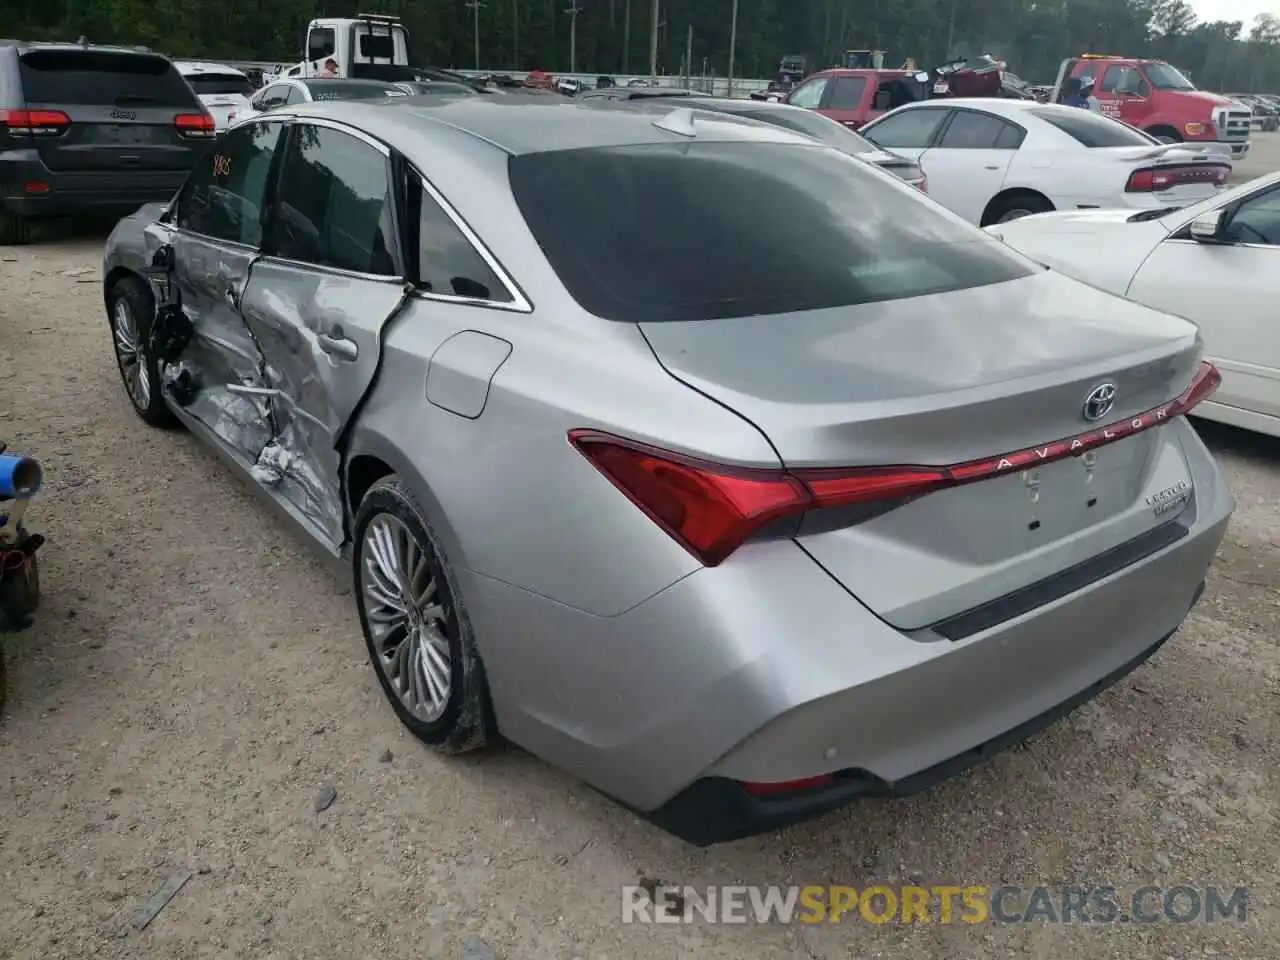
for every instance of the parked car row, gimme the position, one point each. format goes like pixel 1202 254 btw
pixel 689 366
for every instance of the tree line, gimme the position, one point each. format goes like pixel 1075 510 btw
pixel 613 36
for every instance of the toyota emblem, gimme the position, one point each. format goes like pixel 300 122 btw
pixel 1099 401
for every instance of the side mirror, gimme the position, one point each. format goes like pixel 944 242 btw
pixel 922 77
pixel 1208 227
pixel 257 105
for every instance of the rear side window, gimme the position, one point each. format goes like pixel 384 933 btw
pixel 447 262
pixel 334 204
pixel 102 78
pixel 704 231
pixel 978 131
pixel 1093 129
pixel 215 84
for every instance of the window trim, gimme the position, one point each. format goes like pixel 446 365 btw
pixel 171 212
pixel 941 133
pixel 519 302
pixel 396 253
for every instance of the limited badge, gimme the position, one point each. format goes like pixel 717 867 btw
pixel 1169 498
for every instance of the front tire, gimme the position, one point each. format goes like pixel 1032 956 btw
pixel 418 634
pixel 15 231
pixel 131 310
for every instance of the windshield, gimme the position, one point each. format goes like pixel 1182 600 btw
pixel 814 125
pixel 1165 77
pixel 213 84
pixel 713 230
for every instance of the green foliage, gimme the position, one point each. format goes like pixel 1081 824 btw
pixel 1032 35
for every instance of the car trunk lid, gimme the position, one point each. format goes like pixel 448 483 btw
pixel 1176 173
pixel 120 110
pixel 960 378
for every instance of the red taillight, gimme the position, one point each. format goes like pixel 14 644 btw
pixel 787 786
pixel 711 509
pixel 1154 179
pixel 36 123
pixel 194 124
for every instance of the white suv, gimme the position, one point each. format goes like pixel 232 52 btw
pixel 223 90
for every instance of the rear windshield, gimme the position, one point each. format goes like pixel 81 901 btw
pixel 814 125
pixel 1092 129
pixel 352 91
pixel 377 46
pixel 101 78
pixel 213 84
pixel 705 231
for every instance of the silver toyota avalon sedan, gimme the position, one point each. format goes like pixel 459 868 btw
pixel 701 459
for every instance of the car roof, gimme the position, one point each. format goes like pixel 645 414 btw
pixel 531 124
pixel 861 72
pixel 26 45
pixel 193 67
pixel 1000 105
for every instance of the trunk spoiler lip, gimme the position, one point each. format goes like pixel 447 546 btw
pixel 1160 152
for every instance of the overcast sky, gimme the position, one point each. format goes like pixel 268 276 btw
pixel 1244 10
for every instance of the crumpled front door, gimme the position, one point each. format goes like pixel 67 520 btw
pixel 215 379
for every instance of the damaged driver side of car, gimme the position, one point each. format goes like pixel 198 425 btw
pixel 271 278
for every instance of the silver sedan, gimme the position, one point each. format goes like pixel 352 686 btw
pixel 695 456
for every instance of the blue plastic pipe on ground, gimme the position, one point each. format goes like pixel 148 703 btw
pixel 19 476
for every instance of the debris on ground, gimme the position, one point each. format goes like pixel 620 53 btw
pixel 160 899
pixel 325 798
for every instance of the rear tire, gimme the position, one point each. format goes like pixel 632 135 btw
pixel 15 231
pixel 413 618
pixel 1014 207
pixel 131 311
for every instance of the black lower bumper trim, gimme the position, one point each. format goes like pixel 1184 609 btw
pixel 717 810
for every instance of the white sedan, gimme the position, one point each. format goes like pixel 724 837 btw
pixel 991 161
pixel 1215 263
pixel 224 91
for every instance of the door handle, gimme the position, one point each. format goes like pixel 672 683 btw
pixel 992 167
pixel 336 345
pixel 232 296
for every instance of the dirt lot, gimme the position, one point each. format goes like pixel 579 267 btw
pixel 196 676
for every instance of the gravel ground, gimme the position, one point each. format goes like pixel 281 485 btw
pixel 196 676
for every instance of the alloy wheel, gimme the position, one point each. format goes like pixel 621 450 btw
pixel 407 620
pixel 131 354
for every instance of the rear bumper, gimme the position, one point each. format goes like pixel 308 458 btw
pixel 78 193
pixel 766 670
pixel 718 809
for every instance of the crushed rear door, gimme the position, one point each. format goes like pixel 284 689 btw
pixel 123 110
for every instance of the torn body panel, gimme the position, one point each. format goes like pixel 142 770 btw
pixel 209 279
pixel 319 334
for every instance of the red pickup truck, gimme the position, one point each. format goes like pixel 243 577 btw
pixel 856 97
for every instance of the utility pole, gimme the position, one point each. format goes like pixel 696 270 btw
pixel 733 43
pixel 653 44
pixel 515 34
pixel 951 31
pixel 474 6
pixel 573 10
pixel 626 36
pixel 688 57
